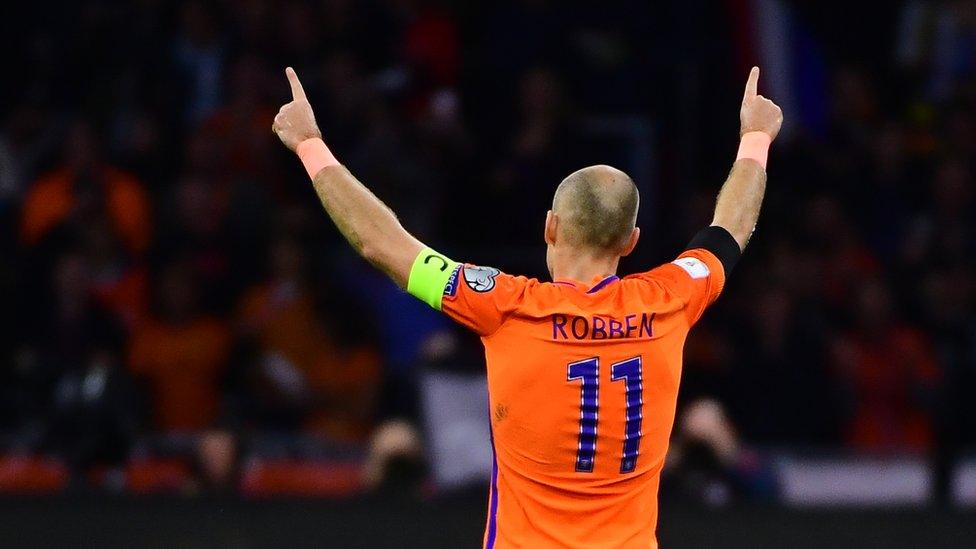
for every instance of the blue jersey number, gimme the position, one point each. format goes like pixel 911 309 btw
pixel 588 372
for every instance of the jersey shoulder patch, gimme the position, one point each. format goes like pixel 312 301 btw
pixel 480 279
pixel 695 267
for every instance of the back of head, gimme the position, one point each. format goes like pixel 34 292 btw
pixel 597 209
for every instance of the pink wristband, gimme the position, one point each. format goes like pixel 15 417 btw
pixel 315 156
pixel 755 146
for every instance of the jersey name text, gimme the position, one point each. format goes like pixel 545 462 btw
pixel 598 327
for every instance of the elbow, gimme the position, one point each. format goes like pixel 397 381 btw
pixel 370 252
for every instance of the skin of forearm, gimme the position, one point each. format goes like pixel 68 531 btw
pixel 740 200
pixel 367 223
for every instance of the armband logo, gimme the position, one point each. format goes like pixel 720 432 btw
pixel 695 267
pixel 450 289
pixel 480 279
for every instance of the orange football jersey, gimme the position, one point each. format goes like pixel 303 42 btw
pixel 583 384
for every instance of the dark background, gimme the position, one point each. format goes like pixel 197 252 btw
pixel 181 320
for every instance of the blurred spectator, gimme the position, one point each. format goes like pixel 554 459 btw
pixel 890 375
pixel 181 354
pixel 939 36
pixel 199 55
pixel 11 178
pixel 538 152
pixel 95 416
pixel 430 44
pixel 75 398
pixel 72 323
pixel 217 463
pixel 238 129
pixel 395 460
pixel 707 463
pixel 119 285
pixel 305 369
pixel 82 190
pixel 26 137
pixel 199 229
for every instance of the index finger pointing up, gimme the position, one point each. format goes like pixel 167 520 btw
pixel 752 85
pixel 297 92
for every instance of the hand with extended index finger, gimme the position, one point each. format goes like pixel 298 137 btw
pixel 752 85
pixel 297 91
pixel 757 113
pixel 295 121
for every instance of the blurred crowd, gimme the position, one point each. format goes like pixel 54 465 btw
pixel 169 275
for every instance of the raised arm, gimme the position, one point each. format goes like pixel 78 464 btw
pixel 740 199
pixel 366 222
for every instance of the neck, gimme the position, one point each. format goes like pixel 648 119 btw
pixel 582 267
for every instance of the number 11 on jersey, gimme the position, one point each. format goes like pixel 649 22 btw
pixel 588 372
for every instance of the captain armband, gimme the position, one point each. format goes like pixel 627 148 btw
pixel 430 275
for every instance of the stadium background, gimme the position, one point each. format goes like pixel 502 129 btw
pixel 191 354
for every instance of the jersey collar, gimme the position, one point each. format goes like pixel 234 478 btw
pixel 596 288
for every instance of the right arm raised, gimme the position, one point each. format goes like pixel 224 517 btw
pixel 740 199
pixel 699 273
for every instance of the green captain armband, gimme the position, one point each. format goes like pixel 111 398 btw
pixel 429 277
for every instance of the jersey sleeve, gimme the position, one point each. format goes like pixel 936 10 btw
pixel 479 298
pixel 698 274
pixel 483 297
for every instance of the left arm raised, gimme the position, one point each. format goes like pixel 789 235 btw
pixel 362 218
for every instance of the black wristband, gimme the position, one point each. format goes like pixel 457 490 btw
pixel 721 243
